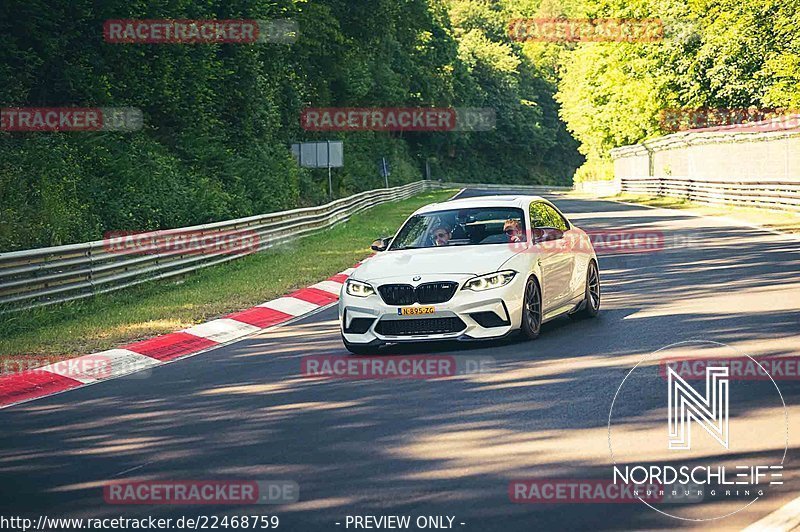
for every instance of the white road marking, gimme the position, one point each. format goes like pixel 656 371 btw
pixel 290 305
pixel 785 518
pixel 101 366
pixel 222 330
pixel 457 194
pixel 328 286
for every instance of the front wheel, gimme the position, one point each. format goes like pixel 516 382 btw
pixel 532 310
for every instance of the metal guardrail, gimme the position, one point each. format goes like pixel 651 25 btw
pixel 41 277
pixel 501 186
pixel 759 194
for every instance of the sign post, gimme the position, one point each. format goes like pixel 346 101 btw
pixel 330 179
pixel 385 170
pixel 324 154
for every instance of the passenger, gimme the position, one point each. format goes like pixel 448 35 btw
pixel 513 231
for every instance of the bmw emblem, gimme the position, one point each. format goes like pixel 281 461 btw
pixel 416 278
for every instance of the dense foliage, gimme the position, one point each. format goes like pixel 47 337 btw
pixel 219 117
pixel 717 54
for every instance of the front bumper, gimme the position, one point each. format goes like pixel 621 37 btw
pixel 467 315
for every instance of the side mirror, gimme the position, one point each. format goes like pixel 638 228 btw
pixel 381 244
pixel 547 235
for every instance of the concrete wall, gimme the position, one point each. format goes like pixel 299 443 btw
pixel 720 154
pixel 756 165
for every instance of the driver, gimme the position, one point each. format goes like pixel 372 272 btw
pixel 513 230
pixel 441 236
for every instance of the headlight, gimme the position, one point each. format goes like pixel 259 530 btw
pixel 359 289
pixel 489 281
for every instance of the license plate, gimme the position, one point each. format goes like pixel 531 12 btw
pixel 415 311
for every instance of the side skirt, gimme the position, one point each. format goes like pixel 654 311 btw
pixel 569 308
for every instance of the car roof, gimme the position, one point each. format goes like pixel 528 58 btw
pixel 520 201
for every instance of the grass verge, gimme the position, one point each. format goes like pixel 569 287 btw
pixel 785 221
pixel 109 320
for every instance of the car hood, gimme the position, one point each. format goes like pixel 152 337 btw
pixel 455 260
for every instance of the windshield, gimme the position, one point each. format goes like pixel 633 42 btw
pixel 461 227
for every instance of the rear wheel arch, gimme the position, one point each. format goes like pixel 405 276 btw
pixel 591 297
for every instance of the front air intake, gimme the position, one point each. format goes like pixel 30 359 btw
pixel 424 294
pixel 412 327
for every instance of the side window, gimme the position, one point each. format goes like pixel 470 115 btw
pixel 556 220
pixel 539 217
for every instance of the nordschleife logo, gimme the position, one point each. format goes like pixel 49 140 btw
pixel 686 405
pixel 724 439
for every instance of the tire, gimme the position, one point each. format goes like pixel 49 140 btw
pixel 531 310
pixel 591 301
pixel 360 349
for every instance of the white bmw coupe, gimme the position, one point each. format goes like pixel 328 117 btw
pixel 471 269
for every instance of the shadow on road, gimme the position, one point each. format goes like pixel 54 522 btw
pixel 447 446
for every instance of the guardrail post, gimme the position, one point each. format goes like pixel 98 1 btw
pixel 90 257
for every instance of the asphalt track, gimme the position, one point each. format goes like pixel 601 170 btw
pixel 428 447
